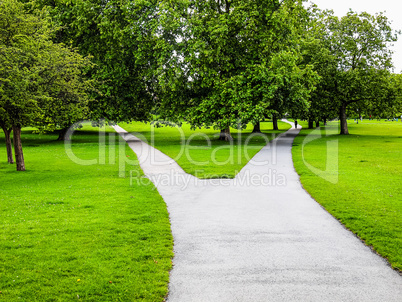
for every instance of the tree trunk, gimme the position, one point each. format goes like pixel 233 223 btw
pixel 62 135
pixel 222 135
pixel 317 124
pixel 343 120
pixel 310 124
pixel 275 122
pixel 9 145
pixel 225 135
pixel 325 121
pixel 19 155
pixel 257 128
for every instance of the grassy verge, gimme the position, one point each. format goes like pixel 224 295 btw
pixel 200 153
pixel 73 232
pixel 367 197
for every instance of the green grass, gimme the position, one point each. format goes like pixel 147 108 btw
pixel 200 153
pixel 367 197
pixel 63 222
pixel 72 232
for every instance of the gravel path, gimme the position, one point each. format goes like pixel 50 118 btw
pixel 260 236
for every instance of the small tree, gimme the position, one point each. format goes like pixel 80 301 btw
pixel 35 74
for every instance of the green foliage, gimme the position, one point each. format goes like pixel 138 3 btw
pixel 41 82
pixel 366 198
pixel 63 87
pixel 63 222
pixel 18 34
pixel 352 56
pixel 121 37
pixel 390 105
pixel 230 60
pixel 226 63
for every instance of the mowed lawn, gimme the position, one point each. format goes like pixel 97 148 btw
pixel 72 232
pixel 367 198
pixel 200 153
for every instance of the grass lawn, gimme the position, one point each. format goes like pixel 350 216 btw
pixel 73 232
pixel 200 153
pixel 368 196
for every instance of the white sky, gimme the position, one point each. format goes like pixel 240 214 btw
pixel 391 8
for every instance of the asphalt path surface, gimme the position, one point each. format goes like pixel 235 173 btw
pixel 260 236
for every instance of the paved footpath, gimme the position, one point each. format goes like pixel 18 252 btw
pixel 260 236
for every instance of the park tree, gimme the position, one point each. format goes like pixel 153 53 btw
pixel 121 36
pixel 390 106
pixel 315 53
pixel 232 59
pixel 40 82
pixel 353 60
pixel 17 54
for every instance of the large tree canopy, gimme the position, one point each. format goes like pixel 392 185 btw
pixel 230 60
pixel 220 63
pixel 121 36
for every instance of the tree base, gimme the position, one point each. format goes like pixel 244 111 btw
pixel 257 128
pixel 225 135
pixel 63 135
pixel 275 122
pixel 19 155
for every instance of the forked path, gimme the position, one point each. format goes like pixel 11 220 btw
pixel 260 236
